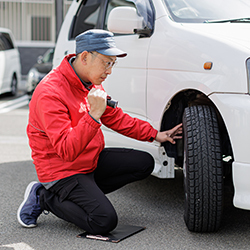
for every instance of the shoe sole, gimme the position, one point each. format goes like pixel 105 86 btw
pixel 26 195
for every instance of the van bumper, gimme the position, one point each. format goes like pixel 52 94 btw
pixel 241 178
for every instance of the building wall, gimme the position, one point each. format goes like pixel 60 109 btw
pixel 33 23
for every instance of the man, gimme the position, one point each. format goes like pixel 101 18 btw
pixel 74 169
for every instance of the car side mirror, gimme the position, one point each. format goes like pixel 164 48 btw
pixel 124 20
pixel 40 59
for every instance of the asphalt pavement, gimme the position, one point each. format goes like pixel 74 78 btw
pixel 154 203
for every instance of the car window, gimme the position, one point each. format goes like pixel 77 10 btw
pixel 2 46
pixel 86 17
pixel 5 42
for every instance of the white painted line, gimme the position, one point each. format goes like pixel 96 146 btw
pixel 14 104
pixel 19 246
pixel 12 140
pixel 11 102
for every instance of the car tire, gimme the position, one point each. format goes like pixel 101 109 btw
pixel 202 169
pixel 13 86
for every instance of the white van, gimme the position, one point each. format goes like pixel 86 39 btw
pixel 10 69
pixel 188 61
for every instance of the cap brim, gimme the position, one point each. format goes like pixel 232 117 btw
pixel 112 52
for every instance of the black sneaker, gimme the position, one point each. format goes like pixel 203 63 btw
pixel 30 209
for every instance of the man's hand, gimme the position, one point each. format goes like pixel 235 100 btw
pixel 97 101
pixel 170 135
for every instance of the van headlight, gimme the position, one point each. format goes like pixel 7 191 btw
pixel 248 74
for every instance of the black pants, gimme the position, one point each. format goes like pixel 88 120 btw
pixel 81 198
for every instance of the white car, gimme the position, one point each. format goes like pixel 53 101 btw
pixel 40 69
pixel 188 61
pixel 10 69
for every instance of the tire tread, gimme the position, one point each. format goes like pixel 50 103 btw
pixel 204 175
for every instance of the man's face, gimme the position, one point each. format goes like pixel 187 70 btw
pixel 99 67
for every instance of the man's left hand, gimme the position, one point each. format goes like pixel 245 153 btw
pixel 170 135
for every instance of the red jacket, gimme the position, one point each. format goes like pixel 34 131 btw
pixel 65 140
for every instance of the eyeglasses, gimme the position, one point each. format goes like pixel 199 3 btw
pixel 109 64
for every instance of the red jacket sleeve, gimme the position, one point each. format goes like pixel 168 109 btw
pixel 124 124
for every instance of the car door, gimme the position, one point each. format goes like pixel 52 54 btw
pixel 127 83
pixel 2 62
pixel 12 57
pixel 9 61
pixel 5 59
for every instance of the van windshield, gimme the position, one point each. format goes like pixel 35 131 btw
pixel 208 10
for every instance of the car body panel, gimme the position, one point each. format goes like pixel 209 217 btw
pixel 65 46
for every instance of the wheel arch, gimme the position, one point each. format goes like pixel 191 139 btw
pixel 172 116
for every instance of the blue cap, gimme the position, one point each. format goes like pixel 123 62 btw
pixel 98 40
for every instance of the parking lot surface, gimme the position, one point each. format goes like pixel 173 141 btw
pixel 154 203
